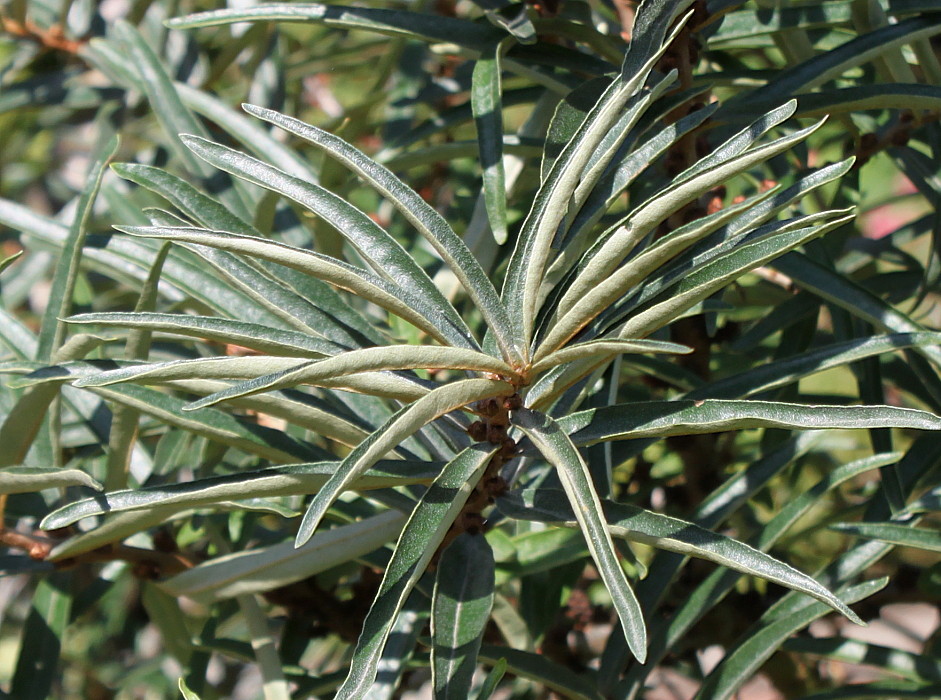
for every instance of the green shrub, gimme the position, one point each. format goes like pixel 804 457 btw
pixel 468 376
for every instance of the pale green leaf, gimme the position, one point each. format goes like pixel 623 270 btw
pixel 764 639
pixel 424 531
pixel 428 222
pixel 718 273
pixel 894 533
pixel 337 273
pixel 231 367
pixel 675 535
pixel 265 568
pixel 688 417
pixel 402 424
pixel 486 101
pixel 27 479
pixel 6 262
pixel 289 480
pixel 268 443
pixel 558 450
pixel 656 209
pixel 385 254
pixel 530 257
pixel 603 349
pixel 59 304
pixel 272 341
pixel 185 691
pixel 575 312
pixel 399 357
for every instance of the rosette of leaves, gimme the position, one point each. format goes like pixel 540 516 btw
pixel 441 405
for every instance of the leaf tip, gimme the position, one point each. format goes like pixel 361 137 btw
pixel 302 538
pixel 854 618
pixel 192 141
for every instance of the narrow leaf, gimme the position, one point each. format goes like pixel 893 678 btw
pixel 463 598
pixel 27 479
pixel 289 480
pixel 530 257
pixel 791 369
pixel 916 667
pixel 428 222
pixel 765 638
pixel 230 367
pixel 272 341
pixel 539 669
pixel 486 101
pixel 424 531
pixel 337 273
pixel 903 535
pixel 6 262
pixel 717 273
pixel 59 305
pixel 265 568
pixel 399 357
pixel 43 635
pixel 675 535
pixel 686 417
pixel 847 294
pixel 185 691
pixel 603 348
pixel 830 65
pixel 175 118
pixel 555 446
pixel 672 198
pixel 492 680
pixel 405 422
pixel 386 255
pixel 216 425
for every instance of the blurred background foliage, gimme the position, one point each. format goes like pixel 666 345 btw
pixel 75 72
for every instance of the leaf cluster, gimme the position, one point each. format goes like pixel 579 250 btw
pixel 474 362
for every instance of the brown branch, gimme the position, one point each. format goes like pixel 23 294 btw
pixel 52 38
pixel 37 547
pixel 148 563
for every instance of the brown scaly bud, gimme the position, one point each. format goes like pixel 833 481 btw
pixel 164 542
pixel 495 487
pixel 477 430
pixel 508 449
pixel 512 403
pixel 496 434
pixel 147 570
pixel 900 137
pixel 868 145
pixel 501 419
pixel 702 146
pixel 488 407
pixel 472 523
